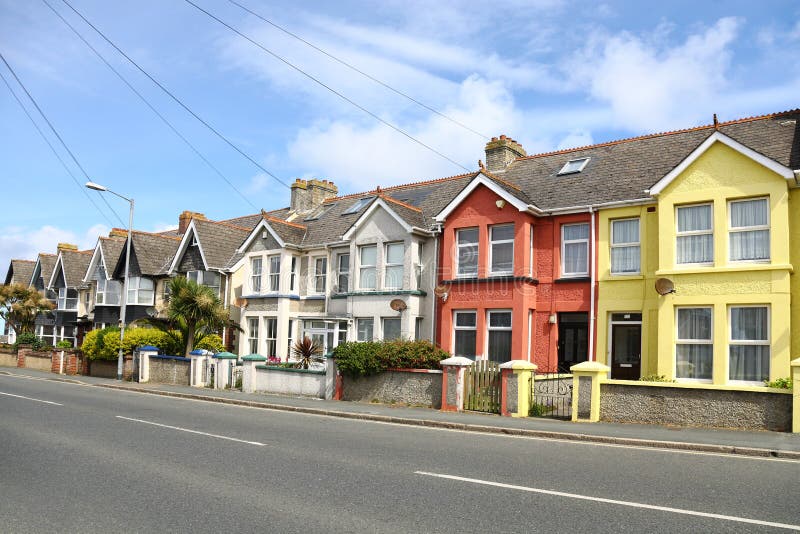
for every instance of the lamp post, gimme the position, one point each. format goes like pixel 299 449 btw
pixel 124 299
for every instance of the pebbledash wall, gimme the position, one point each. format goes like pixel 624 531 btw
pixel 415 387
pixel 750 408
pixel 169 370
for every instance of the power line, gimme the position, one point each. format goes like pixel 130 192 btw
pixel 46 140
pixel 147 103
pixel 329 88
pixel 356 69
pixel 176 99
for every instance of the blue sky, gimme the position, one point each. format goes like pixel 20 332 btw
pixel 549 73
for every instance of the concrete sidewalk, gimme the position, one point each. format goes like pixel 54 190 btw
pixel 765 444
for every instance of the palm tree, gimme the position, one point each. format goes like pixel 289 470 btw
pixel 194 311
pixel 19 306
pixel 307 352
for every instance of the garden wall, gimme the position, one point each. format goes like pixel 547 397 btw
pixel 30 359
pixel 8 358
pixel 671 404
pixel 284 381
pixel 170 370
pixel 416 387
pixel 108 368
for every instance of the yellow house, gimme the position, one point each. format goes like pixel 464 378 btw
pixel 723 229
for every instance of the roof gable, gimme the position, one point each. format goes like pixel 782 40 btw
pixel 482 180
pixel 377 203
pixel 189 236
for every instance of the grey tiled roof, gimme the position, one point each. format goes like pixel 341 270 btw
pixel 47 263
pixel 624 170
pixel 75 263
pixel 112 248
pixel 154 252
pixel 20 272
pixel 219 241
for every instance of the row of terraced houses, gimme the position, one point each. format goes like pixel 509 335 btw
pixel 550 258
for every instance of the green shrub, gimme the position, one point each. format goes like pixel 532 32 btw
pixel 365 358
pixel 211 342
pixel 779 383
pixel 104 344
pixel 64 344
pixel 28 338
pixel 655 378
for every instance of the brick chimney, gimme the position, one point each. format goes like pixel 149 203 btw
pixel 307 195
pixel 500 152
pixel 185 218
pixel 66 246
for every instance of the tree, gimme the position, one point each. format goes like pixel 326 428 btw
pixel 194 312
pixel 19 306
pixel 307 352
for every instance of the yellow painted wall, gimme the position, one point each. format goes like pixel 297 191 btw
pixel 717 176
pixel 794 257
pixel 629 293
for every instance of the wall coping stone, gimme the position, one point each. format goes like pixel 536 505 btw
pixel 168 357
pixel 457 361
pixel 590 367
pixel 519 364
pixel 254 358
pixel 431 371
pixel 701 386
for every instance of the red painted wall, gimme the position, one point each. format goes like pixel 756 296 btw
pixel 522 296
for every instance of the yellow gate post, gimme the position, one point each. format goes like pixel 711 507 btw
pixel 795 395
pixel 516 388
pixel 586 378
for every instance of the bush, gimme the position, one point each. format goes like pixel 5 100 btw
pixel 779 383
pixel 104 344
pixel 64 344
pixel 655 378
pixel 365 358
pixel 211 342
pixel 28 338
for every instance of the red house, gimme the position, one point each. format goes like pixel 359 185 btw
pixel 514 279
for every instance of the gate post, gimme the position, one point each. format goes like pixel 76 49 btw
pixel 249 371
pixel 453 383
pixel 586 378
pixel 795 395
pixel 515 399
pixel 144 361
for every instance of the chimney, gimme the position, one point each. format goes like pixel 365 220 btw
pixel 500 152
pixel 185 217
pixel 67 246
pixel 307 195
pixel 118 232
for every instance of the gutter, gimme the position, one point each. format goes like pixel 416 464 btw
pixel 591 207
pixel 592 240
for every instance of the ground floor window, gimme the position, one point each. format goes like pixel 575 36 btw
pixel 391 328
pixel 364 328
pixel 327 333
pixel 271 330
pixel 694 346
pixel 465 324
pixel 46 334
pixel 290 338
pixel 749 345
pixel 499 336
pixel 252 334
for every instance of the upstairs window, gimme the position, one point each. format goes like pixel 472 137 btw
pixel 573 166
pixel 140 291
pixel 368 258
pixel 343 273
pixel 695 237
pixel 293 274
pixel 255 275
pixel 67 299
pixel 575 249
pixel 108 291
pixel 209 279
pixel 625 248
pixel 393 274
pixel 749 229
pixel 501 249
pixel 467 253
pixel 274 273
pixel 320 274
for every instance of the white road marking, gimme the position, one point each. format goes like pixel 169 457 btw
pixel 31 398
pixel 612 501
pixel 192 431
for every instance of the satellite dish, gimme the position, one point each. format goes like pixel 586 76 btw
pixel 151 311
pixel 240 302
pixel 398 305
pixel 664 286
pixel 440 291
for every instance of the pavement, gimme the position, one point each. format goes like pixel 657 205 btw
pixel 738 442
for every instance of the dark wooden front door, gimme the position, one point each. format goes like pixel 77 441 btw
pixel 573 339
pixel 626 351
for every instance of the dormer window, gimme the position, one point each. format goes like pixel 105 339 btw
pixel 573 166
pixel 360 203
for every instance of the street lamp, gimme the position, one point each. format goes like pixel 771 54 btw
pixel 124 300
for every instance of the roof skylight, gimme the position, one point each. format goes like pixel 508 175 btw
pixel 573 166
pixel 360 203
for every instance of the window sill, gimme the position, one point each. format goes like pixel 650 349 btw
pixel 386 292
pixel 567 279
pixel 509 278
pixel 633 276
pixel 743 267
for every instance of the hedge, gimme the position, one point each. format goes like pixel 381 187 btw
pixel 104 344
pixel 364 358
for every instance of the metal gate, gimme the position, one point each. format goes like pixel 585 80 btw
pixel 482 387
pixel 551 394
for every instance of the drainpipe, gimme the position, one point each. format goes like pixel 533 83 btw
pixel 592 258
pixel 435 274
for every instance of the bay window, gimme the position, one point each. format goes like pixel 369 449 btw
pixel 271 326
pixel 252 334
pixel 499 338
pixel 67 299
pixel 465 332
pixel 205 278
pixel 368 260
pixel 108 291
pixel 140 291
pixel 694 348
pixel 625 246
pixel 749 229
pixel 467 252
pixel 575 249
pixel 391 328
pixel 501 249
pixel 320 274
pixel 274 273
pixel 343 273
pixel 749 345
pixel 255 275
pixel 364 329
pixel 695 234
pixel 293 274
pixel 393 268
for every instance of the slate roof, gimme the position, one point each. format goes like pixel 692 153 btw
pixel 20 272
pixel 112 249
pixel 74 264
pixel 219 241
pixel 153 253
pixel 624 170
pixel 47 262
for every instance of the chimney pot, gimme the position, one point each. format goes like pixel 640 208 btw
pixel 501 152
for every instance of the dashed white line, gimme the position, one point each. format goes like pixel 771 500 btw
pixel 256 443
pixel 31 399
pixel 612 501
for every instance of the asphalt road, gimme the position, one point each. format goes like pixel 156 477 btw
pixel 95 460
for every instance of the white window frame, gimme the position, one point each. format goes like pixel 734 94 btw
pixel 679 234
pixel 136 288
pixel 530 251
pixel 63 299
pixel 268 339
pixel 581 165
pixel 253 326
pixel 383 328
pixel 564 242
pixel 199 277
pixel 387 265
pixel 632 244
pixel 740 229
pixel 317 276
pixel 492 243
pixel 293 274
pixel 342 288
pixel 274 277
pixel 760 342
pixel 457 328
pixel 359 320
pixel 101 294
pixel 256 274
pixel 459 246
pixel 490 328
pixel 362 268
pixel 679 341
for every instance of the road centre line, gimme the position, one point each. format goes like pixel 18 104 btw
pixel 189 430
pixel 612 501
pixel 31 398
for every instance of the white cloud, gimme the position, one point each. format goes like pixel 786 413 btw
pixel 25 243
pixel 649 85
pixel 258 183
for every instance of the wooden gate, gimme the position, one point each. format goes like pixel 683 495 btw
pixel 482 387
